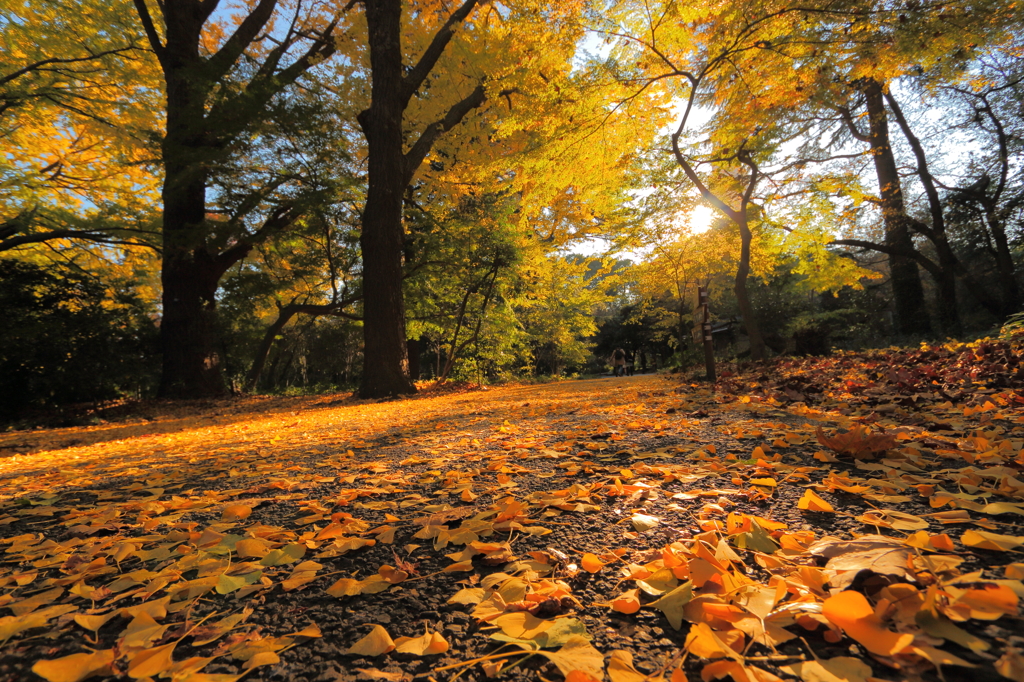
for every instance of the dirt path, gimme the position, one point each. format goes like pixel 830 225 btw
pixel 546 526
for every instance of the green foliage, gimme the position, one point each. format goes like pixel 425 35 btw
pixel 68 338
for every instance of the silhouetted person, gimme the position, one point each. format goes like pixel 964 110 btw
pixel 619 362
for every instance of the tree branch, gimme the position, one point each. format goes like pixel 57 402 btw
pixel 934 203
pixel 414 79
pixel 913 254
pixel 221 62
pixel 94 237
pixel 414 157
pixel 851 125
pixel 706 193
pixel 147 24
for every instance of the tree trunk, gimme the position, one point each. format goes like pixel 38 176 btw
pixel 259 362
pixel 908 294
pixel 189 333
pixel 413 348
pixel 199 130
pixel 389 172
pixel 1009 289
pixel 757 347
pixel 385 356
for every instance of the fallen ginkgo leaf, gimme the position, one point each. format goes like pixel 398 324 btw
pixel 590 563
pixel 236 512
pixel 672 604
pixel 620 668
pixel 838 669
pixel 737 671
pixel 811 501
pixel 374 644
pixel 427 644
pixel 151 662
pixel 75 667
pixel 642 522
pixel 627 602
pixel 704 642
pixel 852 612
pixel 984 540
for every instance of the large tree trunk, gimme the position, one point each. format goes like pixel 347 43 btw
pixel 189 334
pixel 757 347
pixel 908 294
pixel 389 172
pixel 385 358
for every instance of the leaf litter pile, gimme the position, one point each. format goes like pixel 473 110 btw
pixel 848 518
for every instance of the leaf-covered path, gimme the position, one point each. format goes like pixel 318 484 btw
pixel 606 529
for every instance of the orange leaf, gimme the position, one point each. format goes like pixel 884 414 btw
pixel 151 662
pixel 590 563
pixel 236 512
pixel 852 612
pixel 737 671
pixel 580 676
pixel 428 644
pixel 702 641
pixel 812 502
pixel 858 442
pixel 627 602
pixel 252 548
pixel 75 667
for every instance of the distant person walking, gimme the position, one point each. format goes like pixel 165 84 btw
pixel 619 362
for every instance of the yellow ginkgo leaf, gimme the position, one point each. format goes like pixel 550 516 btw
pixel 374 644
pixel 151 662
pixel 811 501
pixel 261 658
pixel 427 644
pixel 521 624
pixel 94 622
pixel 75 667
pixel 252 548
pixel 994 541
pixel 620 668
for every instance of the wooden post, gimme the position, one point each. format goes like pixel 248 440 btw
pixel 702 331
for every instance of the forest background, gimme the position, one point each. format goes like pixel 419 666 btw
pixel 201 197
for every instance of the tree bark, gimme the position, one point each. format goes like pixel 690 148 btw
pixel 908 293
pixel 189 335
pixel 414 349
pixel 385 356
pixel 389 172
pixel 757 345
